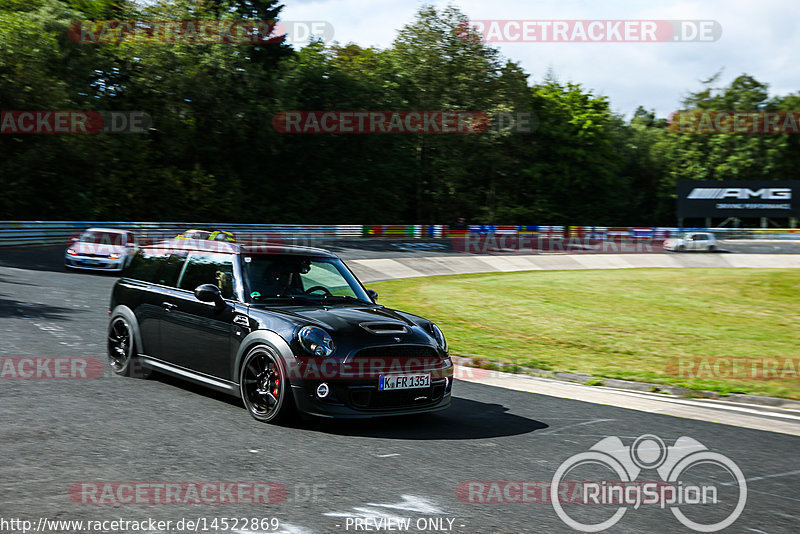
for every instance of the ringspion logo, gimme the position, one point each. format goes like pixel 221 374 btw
pixel 700 506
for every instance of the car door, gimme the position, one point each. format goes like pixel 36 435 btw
pixel 197 335
pixel 152 271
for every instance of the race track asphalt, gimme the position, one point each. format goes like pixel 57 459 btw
pixel 55 434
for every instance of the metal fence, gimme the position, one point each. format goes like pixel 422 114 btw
pixel 32 233
pixel 26 233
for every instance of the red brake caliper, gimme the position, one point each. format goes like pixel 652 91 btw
pixel 277 383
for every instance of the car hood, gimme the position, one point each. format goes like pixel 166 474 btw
pixel 339 317
pixel 357 323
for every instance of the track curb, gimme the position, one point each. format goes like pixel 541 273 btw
pixel 496 369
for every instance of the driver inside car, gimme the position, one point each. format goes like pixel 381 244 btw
pixel 280 280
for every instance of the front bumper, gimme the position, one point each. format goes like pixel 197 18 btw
pixel 94 263
pixel 361 398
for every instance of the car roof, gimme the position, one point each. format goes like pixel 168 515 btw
pixel 224 247
pixel 277 248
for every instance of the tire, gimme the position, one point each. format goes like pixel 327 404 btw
pixel 265 392
pixel 711 248
pixel 121 347
pixel 681 248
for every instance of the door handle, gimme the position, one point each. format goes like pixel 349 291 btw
pixel 169 305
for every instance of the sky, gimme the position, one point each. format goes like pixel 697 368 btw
pixel 758 37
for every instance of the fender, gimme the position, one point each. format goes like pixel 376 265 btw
pixel 123 311
pixel 261 337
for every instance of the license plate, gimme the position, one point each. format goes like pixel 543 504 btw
pixel 391 382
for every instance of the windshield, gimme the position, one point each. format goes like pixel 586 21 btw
pixel 103 238
pixel 292 277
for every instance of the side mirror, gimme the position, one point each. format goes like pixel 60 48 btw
pixel 209 293
pixel 372 294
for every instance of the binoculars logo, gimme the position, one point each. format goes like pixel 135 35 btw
pixel 649 452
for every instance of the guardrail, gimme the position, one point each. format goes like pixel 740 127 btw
pixel 32 233
pixel 27 233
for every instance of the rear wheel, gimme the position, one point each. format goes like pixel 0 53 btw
pixel 265 391
pixel 121 347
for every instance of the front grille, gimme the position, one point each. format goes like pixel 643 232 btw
pixel 362 398
pixel 396 359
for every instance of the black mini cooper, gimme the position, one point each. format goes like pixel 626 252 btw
pixel 283 328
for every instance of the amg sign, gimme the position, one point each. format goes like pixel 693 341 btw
pixel 737 198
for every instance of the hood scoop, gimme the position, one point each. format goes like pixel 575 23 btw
pixel 384 328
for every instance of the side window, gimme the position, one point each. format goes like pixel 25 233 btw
pixel 156 267
pixel 168 275
pixel 214 269
pixel 146 265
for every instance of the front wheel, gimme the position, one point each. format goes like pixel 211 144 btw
pixel 680 248
pixel 265 391
pixel 121 347
pixel 712 248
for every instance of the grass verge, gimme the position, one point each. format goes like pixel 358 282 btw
pixel 712 329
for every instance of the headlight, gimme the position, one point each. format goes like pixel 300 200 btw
pixel 437 333
pixel 113 256
pixel 316 341
pixel 71 252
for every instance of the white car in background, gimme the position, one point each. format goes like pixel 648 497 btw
pixel 101 249
pixel 692 241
